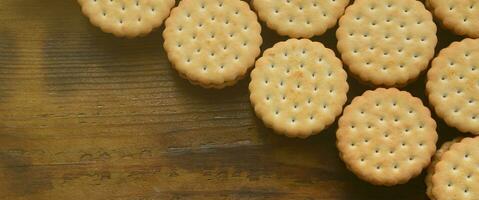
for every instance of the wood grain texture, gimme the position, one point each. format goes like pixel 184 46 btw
pixel 85 115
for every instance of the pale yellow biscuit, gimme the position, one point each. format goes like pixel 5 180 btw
pixel 212 43
pixel 460 16
pixel 300 18
pixel 127 18
pixel 453 85
pixel 386 43
pixel 456 174
pixel 386 136
pixel 298 87
pixel 436 158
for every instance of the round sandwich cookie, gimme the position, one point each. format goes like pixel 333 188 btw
pixel 300 18
pixel 386 43
pixel 386 136
pixel 460 16
pixel 437 156
pixel 456 174
pixel 453 85
pixel 298 87
pixel 127 18
pixel 212 43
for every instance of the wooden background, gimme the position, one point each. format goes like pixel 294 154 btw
pixel 85 115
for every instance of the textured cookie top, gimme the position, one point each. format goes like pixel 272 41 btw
pixel 456 174
pixel 300 18
pixel 386 42
pixel 386 136
pixel 459 15
pixel 436 158
pixel 453 85
pixel 128 18
pixel 212 42
pixel 298 87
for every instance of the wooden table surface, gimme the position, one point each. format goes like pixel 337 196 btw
pixel 85 115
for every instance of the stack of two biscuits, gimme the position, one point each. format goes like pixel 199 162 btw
pixel 387 136
pixel 212 43
pixel 452 87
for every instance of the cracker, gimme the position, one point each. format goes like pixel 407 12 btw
pixel 127 18
pixel 212 43
pixel 460 16
pixel 298 87
pixel 453 85
pixel 387 43
pixel 456 174
pixel 386 136
pixel 437 156
pixel 300 18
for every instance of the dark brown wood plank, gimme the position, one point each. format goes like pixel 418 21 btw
pixel 85 115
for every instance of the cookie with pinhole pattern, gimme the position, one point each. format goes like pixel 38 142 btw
pixel 437 156
pixel 456 174
pixel 127 18
pixel 459 16
pixel 298 87
pixel 386 136
pixel 212 43
pixel 386 43
pixel 453 85
pixel 300 18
